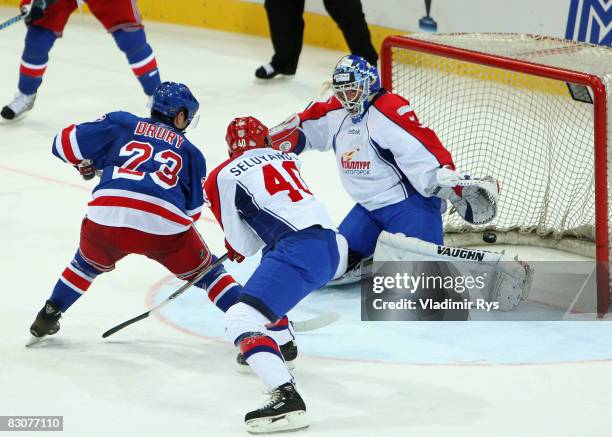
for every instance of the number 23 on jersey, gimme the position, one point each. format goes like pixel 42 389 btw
pixel 139 153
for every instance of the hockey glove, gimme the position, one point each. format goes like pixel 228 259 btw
pixel 232 254
pixel 86 169
pixel 475 199
pixel 33 10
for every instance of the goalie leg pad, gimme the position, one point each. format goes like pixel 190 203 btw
pixel 510 288
pixel 511 278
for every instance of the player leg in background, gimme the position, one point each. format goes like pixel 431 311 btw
pixel 297 265
pixel 39 40
pixel 287 33
pixel 349 16
pixel 122 19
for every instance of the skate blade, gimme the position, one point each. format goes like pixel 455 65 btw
pixel 34 340
pixel 284 422
pixel 245 369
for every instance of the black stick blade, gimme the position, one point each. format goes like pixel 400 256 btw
pixel 124 324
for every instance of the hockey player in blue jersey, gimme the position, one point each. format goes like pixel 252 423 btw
pixel 149 196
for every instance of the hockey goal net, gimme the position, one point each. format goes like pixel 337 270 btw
pixel 529 110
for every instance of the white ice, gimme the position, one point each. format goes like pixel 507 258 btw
pixel 173 375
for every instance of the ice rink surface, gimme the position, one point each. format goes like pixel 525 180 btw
pixel 172 374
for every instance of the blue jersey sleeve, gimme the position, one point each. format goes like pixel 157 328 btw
pixel 197 171
pixel 90 140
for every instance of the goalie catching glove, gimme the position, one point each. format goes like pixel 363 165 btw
pixel 475 199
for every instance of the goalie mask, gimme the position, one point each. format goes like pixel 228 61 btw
pixel 246 133
pixel 354 81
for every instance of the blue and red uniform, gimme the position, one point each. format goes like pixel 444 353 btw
pixel 121 19
pixel 149 195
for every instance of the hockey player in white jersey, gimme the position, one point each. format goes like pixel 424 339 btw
pixel 261 202
pixel 394 168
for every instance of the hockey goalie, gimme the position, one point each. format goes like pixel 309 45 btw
pixel 399 175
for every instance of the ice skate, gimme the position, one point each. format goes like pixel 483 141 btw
pixel 284 411
pixel 20 104
pixel 46 323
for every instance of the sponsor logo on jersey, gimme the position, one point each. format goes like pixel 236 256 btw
pixel 352 166
pixel 354 131
pixel 454 252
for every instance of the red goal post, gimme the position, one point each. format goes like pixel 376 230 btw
pixel 446 76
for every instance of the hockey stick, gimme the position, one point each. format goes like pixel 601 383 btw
pixel 324 88
pixel 169 299
pixel 315 323
pixel 11 21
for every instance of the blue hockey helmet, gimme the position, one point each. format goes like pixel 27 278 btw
pixel 170 97
pixel 354 81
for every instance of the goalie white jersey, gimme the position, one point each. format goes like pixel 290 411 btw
pixel 259 197
pixel 382 159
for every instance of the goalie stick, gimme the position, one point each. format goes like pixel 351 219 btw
pixel 11 21
pixel 315 323
pixel 325 86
